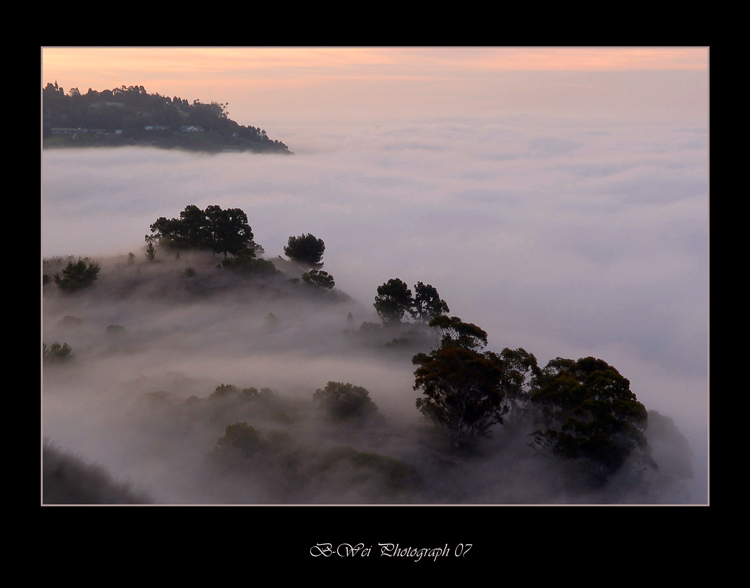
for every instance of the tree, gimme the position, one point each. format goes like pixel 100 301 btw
pixel 150 249
pixel 342 401
pixel 247 265
pixel 186 232
pixel 193 229
pixel 393 301
pixel 212 116
pixel 591 416
pixel 453 332
pixel 427 303
pixel 230 231
pixel 520 371
pixel 77 275
pixel 318 279
pixel 464 387
pixel 463 391
pixel 224 391
pixel 223 231
pixel 241 437
pixel 306 249
pixel 57 353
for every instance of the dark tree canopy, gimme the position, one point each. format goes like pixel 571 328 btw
pixel 591 415
pixel 220 230
pixel 427 303
pixel 242 438
pixel 588 413
pixel 342 401
pixel 306 249
pixel 248 265
pixel 318 279
pixel 57 353
pixel 229 231
pixel 393 301
pixel 520 372
pixel 454 332
pixel 77 275
pixel 462 390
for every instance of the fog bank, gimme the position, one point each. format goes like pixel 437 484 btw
pixel 565 239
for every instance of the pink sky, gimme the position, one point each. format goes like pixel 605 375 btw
pixel 298 85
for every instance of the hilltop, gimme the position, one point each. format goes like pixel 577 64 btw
pixel 211 374
pixel 130 116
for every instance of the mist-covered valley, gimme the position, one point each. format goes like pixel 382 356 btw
pixel 565 240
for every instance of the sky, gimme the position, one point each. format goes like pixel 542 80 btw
pixel 555 196
pixel 275 86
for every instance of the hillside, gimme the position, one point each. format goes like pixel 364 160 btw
pixel 130 116
pixel 207 374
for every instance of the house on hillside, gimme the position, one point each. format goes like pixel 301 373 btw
pixel 79 130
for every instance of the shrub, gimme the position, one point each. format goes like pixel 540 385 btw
pixel 224 390
pixel 115 330
pixel 318 279
pixel 57 353
pixel 345 401
pixel 242 437
pixel 248 393
pixel 374 475
pixel 77 275
pixel 249 266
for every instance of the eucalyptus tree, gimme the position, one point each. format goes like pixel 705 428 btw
pixel 589 415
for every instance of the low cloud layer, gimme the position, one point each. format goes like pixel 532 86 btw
pixel 567 240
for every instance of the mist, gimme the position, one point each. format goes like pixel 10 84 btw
pixel 565 238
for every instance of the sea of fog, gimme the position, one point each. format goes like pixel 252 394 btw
pixel 566 239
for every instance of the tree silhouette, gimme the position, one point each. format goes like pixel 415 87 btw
pixel 591 416
pixel 77 275
pixel 241 437
pixel 306 249
pixel 453 332
pixel 427 303
pixel 318 279
pixel 462 390
pixel 393 301
pixel 342 401
pixel 224 231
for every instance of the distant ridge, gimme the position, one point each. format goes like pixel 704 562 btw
pixel 130 116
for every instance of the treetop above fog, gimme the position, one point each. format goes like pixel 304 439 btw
pixel 306 249
pixel 220 230
pixel 395 300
